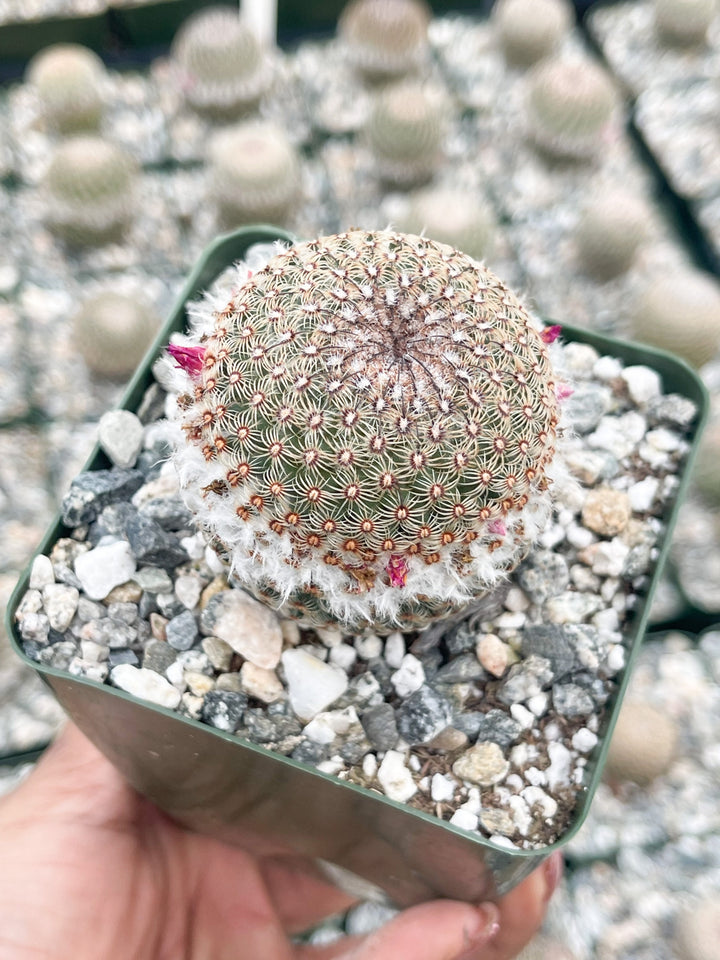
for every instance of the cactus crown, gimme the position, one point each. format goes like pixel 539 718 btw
pixel 385 36
pixel 570 103
pixel 67 78
pixel 369 430
pixel 529 30
pixel 223 68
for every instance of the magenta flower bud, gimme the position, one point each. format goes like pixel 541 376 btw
pixel 397 570
pixel 550 334
pixel 189 359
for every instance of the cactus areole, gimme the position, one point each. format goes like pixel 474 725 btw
pixel 368 428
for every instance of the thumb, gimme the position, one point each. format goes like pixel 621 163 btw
pixel 440 930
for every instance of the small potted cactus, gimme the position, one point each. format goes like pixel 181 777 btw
pixel 367 430
pixel 529 30
pixel 684 23
pixel 611 228
pixel 68 80
pixel 385 38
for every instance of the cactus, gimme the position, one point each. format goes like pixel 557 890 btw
pixel 684 22
pixel 706 472
pixel 611 228
pixel 90 190
pixel 680 313
pixel 68 80
pixel 529 30
pixel 452 216
pixel 385 38
pixel 254 174
pixel 643 744
pixel 405 132
pixel 369 426
pixel 571 103
pixel 223 70
pixel 112 331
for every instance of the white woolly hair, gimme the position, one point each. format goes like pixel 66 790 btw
pixel 258 557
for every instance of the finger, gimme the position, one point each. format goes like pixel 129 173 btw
pixel 440 930
pixel 302 896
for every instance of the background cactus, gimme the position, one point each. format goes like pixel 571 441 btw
pixel 405 132
pixel 643 745
pixel 684 22
pixel 680 312
pixel 254 174
pixel 112 331
pixel 706 472
pixel 369 422
pixel 570 106
pixel 90 190
pixel 695 932
pixel 223 70
pixel 385 37
pixel 611 228
pixel 529 30
pixel 68 79
pixel 456 217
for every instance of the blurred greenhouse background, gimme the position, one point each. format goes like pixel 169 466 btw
pixel 574 148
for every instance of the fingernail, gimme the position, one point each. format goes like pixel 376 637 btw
pixel 553 869
pixel 488 924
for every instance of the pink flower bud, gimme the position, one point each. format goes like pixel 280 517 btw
pixel 550 334
pixel 563 391
pixel 397 570
pixel 189 359
pixel 497 527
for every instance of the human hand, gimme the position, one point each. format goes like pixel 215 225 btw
pixel 93 871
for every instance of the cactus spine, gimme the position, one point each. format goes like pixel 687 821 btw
pixel 369 424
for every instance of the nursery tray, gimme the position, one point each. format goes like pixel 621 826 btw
pixel 216 783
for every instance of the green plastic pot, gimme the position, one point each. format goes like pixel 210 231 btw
pixel 215 783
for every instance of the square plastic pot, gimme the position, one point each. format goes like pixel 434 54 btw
pixel 216 783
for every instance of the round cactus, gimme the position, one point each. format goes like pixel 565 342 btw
pixel 369 424
pixel 223 70
pixel 680 312
pixel 706 472
pixel 385 37
pixel 529 30
pixel 451 216
pixel 570 105
pixel 254 174
pixel 68 79
pixel 112 331
pixel 90 190
pixel 610 230
pixel 643 744
pixel 696 930
pixel 405 132
pixel 684 22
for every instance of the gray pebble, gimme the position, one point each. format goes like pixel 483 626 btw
pixel 495 726
pixel 152 545
pixel 93 490
pixel 182 631
pixel 158 656
pixel 380 726
pixel 169 512
pixel 462 669
pixel 544 575
pixel 570 700
pixel 526 680
pixel 587 406
pixel 422 715
pixel 153 580
pixel 223 709
pixel 554 642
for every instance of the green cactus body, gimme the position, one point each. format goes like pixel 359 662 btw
pixel 570 106
pixel 684 22
pixel 385 38
pixel 680 312
pixel 405 132
pixel 452 216
pixel 609 232
pixel 529 30
pixel 369 430
pixel 254 174
pixel 68 79
pixel 90 190
pixel 112 332
pixel 223 70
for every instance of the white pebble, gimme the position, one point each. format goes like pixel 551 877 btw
pixel 145 684
pixel 41 573
pixel 643 383
pixel 616 658
pixel 188 589
pixel 261 683
pixel 312 684
pixel 642 494
pixel 409 677
pixel 329 636
pixel 522 715
pixel 533 795
pixel 584 740
pixel 535 776
pixel 607 368
pixel 464 819
pixel 395 778
pixel 442 788
pixel 120 435
pixel 368 647
pixel 394 650
pixel 369 765
pixel 343 656
pixel 538 704
pixel 558 773
pixel 493 654
pixel 105 567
